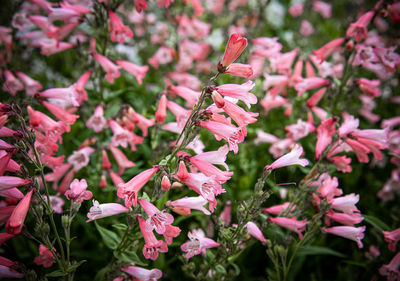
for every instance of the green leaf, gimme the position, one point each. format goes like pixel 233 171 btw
pixel 120 226
pixel 129 256
pixel 220 269
pixel 57 273
pixel 236 267
pixel 377 223
pixel 111 239
pixel 316 250
pixel 75 266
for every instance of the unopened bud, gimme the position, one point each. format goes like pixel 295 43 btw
pixel 165 183
pixel 349 45
pixel 218 99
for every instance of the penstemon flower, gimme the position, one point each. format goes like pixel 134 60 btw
pixel 157 220
pixel 198 243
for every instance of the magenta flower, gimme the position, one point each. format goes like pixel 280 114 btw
pixel 392 238
pixel 45 257
pixel 152 246
pixel 292 158
pixel 129 190
pixel 142 273
pixel 157 220
pixel 353 233
pixel 99 211
pixel 198 243
pixel 77 191
pixel 359 29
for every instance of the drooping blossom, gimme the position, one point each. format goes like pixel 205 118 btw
pixel 77 191
pixel 99 211
pixel 138 71
pixel 195 203
pixel 254 231
pixel 328 49
pixel 7 182
pixel 392 237
pixel 240 92
pixel 290 223
pixel 97 121
pixel 142 273
pixel 109 67
pixel 31 86
pixel 391 270
pixel 80 158
pixel 152 246
pixel 292 158
pixel 353 233
pixel 45 258
pixel 122 161
pixel 157 220
pixel 17 218
pixel 12 84
pixel 198 243
pixel 129 190
pixel 358 29
pixel 118 31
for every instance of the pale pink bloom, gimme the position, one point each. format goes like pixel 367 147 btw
pixel 170 233
pixel 186 79
pixel 139 120
pixel 31 86
pixel 309 84
pixel 120 136
pixel 240 92
pixel 17 218
pixel 299 130
pixel 292 158
pixel 270 102
pixel 346 219
pixel 210 170
pixel 60 113
pixel 59 33
pixel 43 23
pixel 328 49
pixel 163 55
pixel 392 238
pixel 323 8
pixel 188 94
pixel 231 134
pixel 99 211
pixel 80 86
pixel 215 157
pixel 7 182
pixel 364 55
pixel 381 137
pixel 234 48
pixel 353 233
pixel 391 270
pixel 198 243
pixel 306 29
pixel 62 96
pixel 138 71
pixel 342 163
pixel 56 204
pixel 277 209
pixel 50 47
pixel 80 158
pixel 97 121
pixel 138 272
pixel 325 132
pixel 359 30
pixel 346 204
pixel 181 113
pixel 129 190
pixel 349 125
pixel 12 84
pixel 115 178
pixel 369 87
pixel 328 188
pixel 109 67
pixel 67 12
pixel 43 4
pixel 254 231
pixel 296 10
pixel 45 257
pixel 118 31
pixel 290 223
pixel 388 58
pixel 152 246
pixel 157 220
pixel 195 203
pixel 279 148
pixel 241 70
pixel 77 191
pixel 122 161
pixel 161 112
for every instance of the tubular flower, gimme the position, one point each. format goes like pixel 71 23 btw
pixel 254 231
pixel 198 243
pixel 359 29
pixel 143 274
pixel 392 238
pixel 240 92
pixel 195 203
pixel 157 220
pixel 291 223
pixel 99 211
pixel 292 158
pixel 152 246
pixel 391 270
pixel 45 257
pixel 234 48
pixel 138 71
pixel 109 67
pixel 353 233
pixel 97 121
pixel 118 31
pixel 17 218
pixel 77 191
pixel 129 190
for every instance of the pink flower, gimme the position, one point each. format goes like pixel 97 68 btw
pixel 109 67
pixel 225 215
pixel 161 112
pixel 325 132
pixel 97 121
pixel 210 170
pixel 138 71
pixel 306 29
pixel 129 190
pixel 165 183
pixel 309 84
pixel 240 92
pixel 63 96
pixel 346 219
pixel 141 273
pixel 299 130
pixel 31 86
pixel 328 49
pixel 328 187
pixel 234 48
pixel 391 270
pixel 152 246
pixel 353 233
pixel 60 113
pixel 392 238
pixel 231 134
pixel 369 87
pixel 157 220
pixel 359 29
pixel 346 203
pixel 296 10
pixel 120 136
pixel 99 211
pixel 292 158
pixel 121 159
pixel 12 84
pixel 56 204
pixel 139 120
pixel 7 182
pixel 80 158
pixel 323 8
pixel 81 84
pixel 215 157
pixel 290 223
pixel 163 55
pixel 77 191
pixel 17 218
pixel 198 243
pixel 170 233
pixel 241 70
pixel 188 94
pixel 195 203
pixel 254 231
pixel 277 209
pixel 45 257
pixel 118 31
